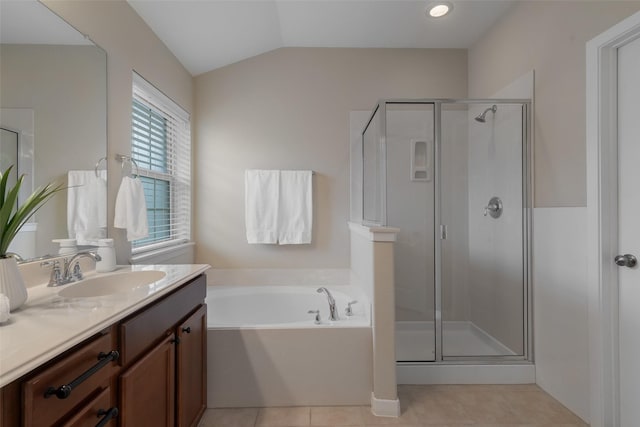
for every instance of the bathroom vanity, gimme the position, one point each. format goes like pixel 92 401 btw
pixel 132 357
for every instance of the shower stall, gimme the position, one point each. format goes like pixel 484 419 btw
pixel 454 177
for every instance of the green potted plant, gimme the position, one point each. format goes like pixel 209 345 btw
pixel 12 218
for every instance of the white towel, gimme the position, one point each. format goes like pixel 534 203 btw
pixel 261 205
pixel 278 206
pixel 87 206
pixel 295 214
pixel 131 209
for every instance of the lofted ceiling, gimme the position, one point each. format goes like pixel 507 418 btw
pixel 208 34
pixel 29 22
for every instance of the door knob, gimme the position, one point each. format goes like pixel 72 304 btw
pixel 626 260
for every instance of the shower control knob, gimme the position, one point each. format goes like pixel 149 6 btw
pixel 494 208
pixel 626 260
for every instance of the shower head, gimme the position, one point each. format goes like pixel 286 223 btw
pixel 481 117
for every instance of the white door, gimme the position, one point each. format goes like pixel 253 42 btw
pixel 629 230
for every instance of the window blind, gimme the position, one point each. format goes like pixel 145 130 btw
pixel 161 147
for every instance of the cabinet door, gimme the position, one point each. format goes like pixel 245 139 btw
pixel 147 388
pixel 192 368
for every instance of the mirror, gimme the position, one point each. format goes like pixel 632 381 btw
pixel 53 100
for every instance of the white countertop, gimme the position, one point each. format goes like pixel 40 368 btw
pixel 47 324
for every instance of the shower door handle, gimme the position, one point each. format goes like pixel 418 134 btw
pixel 626 260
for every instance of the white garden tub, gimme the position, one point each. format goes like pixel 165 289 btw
pixel 265 349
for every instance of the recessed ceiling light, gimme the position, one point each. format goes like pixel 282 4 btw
pixel 439 9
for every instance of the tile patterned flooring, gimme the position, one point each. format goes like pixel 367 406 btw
pixel 422 405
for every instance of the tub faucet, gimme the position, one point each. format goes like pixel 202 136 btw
pixel 333 311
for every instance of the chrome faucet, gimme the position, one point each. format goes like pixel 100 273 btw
pixel 71 271
pixel 333 311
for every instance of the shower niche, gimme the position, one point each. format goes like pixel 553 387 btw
pixel 431 169
pixel 421 160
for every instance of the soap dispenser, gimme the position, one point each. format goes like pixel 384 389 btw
pixel 67 246
pixel 107 256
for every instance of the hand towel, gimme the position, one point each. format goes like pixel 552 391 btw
pixel 131 209
pixel 295 206
pixel 87 206
pixel 261 205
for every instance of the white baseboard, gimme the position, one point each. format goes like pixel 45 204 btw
pixel 385 407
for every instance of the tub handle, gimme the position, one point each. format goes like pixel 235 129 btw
pixel 317 313
pixel 349 311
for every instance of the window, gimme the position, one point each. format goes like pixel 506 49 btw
pixel 161 147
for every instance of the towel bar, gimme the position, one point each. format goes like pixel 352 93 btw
pixel 98 164
pixel 122 158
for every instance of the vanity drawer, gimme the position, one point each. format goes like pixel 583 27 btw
pixel 42 407
pixel 100 410
pixel 143 330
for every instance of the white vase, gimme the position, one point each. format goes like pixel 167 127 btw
pixel 11 283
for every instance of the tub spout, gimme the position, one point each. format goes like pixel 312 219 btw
pixel 333 311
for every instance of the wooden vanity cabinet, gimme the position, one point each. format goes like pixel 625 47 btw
pixel 33 402
pixel 191 363
pixel 163 382
pixel 159 378
pixel 147 389
pixel 97 411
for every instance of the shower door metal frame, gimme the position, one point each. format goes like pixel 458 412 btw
pixel 527 205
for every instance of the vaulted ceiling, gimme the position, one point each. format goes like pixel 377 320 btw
pixel 208 34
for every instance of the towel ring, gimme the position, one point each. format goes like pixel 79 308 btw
pixel 122 158
pixel 98 164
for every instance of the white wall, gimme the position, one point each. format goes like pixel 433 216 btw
pixel 289 109
pixel 561 306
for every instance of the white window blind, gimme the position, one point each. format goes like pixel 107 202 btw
pixel 161 147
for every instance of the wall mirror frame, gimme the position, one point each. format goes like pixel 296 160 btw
pixel 53 100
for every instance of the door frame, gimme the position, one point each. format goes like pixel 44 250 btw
pixel 602 183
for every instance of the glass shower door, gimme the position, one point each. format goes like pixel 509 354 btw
pixel 483 242
pixel 410 206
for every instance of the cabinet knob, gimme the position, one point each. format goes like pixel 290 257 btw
pixel 187 330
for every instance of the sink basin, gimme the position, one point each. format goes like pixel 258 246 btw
pixel 111 284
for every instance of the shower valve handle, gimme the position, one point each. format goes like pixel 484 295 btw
pixel 494 208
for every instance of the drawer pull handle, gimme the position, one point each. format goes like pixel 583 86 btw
pixel 64 391
pixel 109 414
pixel 187 329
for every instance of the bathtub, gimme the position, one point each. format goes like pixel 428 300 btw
pixel 265 349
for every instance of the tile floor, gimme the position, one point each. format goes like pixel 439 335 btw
pixel 431 406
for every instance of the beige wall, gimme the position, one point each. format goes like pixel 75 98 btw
pixel 289 109
pixel 549 37
pixel 130 45
pixel 65 88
